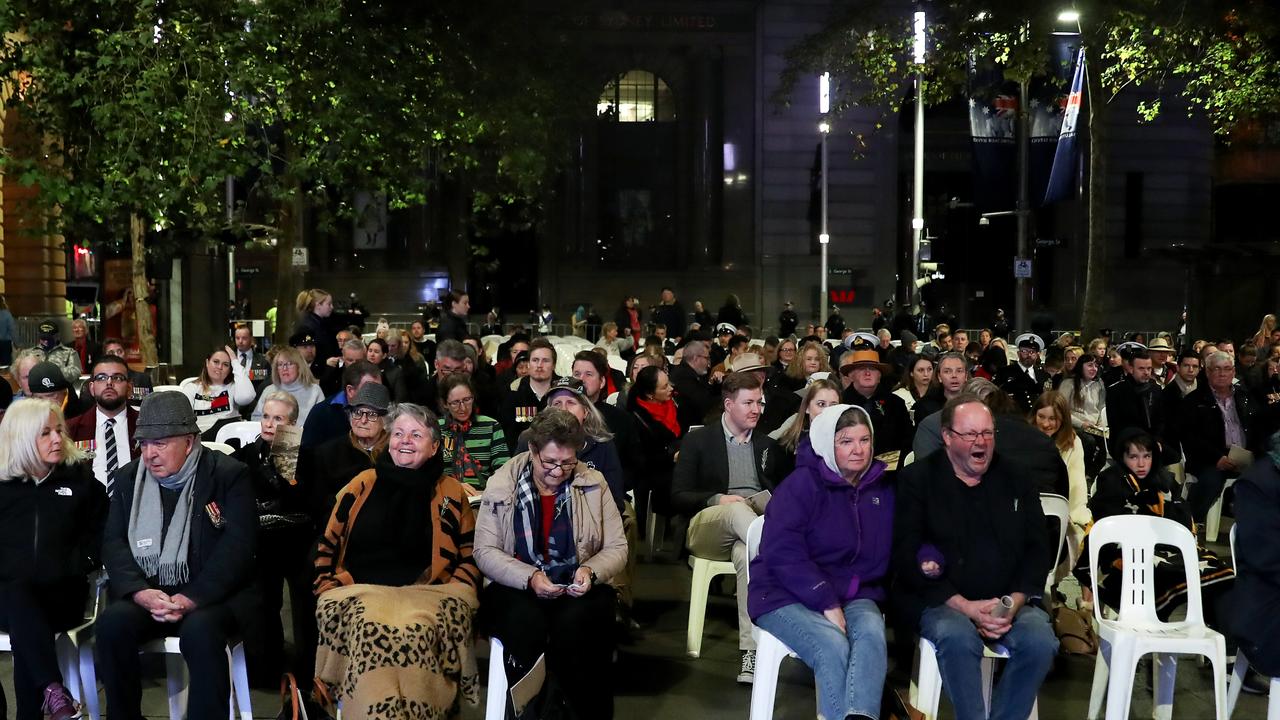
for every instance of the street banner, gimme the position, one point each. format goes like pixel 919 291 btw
pixel 993 122
pixel 1067 155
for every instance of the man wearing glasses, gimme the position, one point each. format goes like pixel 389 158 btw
pixel 971 555
pixel 110 425
pixel 1218 425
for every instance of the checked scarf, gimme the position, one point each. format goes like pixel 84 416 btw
pixel 560 560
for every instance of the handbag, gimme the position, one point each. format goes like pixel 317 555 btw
pixel 292 707
pixel 1075 632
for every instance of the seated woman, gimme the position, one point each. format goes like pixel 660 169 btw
pixel 1051 415
pixel 550 538
pixel 45 558
pixel 1135 486
pixel 290 373
pixel 328 468
pixel 599 450
pixel 474 445
pixel 650 402
pixel 285 534
pixel 821 573
pixel 782 391
pixel 793 436
pixel 396 583
pixel 1087 398
pixel 916 381
pixel 218 393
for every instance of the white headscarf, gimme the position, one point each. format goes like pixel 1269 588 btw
pixel 822 432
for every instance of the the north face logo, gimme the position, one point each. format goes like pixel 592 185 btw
pixel 46 382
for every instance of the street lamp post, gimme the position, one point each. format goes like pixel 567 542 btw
pixel 824 238
pixel 917 180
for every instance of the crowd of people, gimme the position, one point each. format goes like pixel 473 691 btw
pixel 414 492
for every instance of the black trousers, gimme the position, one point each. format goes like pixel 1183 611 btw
pixel 282 560
pixel 203 633
pixel 575 633
pixel 32 614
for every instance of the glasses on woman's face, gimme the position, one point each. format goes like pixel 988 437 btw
pixel 364 415
pixel 565 468
pixel 285 365
pixel 461 403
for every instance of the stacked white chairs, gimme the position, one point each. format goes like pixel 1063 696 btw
pixel 244 432
pixel 770 651
pixel 1136 630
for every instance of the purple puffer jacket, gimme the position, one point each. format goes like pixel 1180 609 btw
pixel 825 542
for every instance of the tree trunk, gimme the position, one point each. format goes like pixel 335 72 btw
pixel 141 293
pixel 1092 310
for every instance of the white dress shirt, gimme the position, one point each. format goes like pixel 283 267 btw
pixel 123 450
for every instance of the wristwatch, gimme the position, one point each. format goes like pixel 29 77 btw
pixel 594 579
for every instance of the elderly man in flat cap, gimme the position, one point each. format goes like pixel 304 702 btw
pixel 178 548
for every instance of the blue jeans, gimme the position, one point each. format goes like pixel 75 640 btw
pixel 849 667
pixel 1031 645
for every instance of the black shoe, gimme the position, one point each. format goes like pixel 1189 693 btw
pixel 1255 683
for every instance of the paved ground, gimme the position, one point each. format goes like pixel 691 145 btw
pixel 657 680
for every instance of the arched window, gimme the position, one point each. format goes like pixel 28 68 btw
pixel 637 96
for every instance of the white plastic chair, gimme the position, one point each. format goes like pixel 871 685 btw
pixel 186 380
pixel 616 363
pixel 770 651
pixel 1242 667
pixel 926 679
pixel 495 700
pixel 245 431
pixel 165 388
pixel 1137 630
pixel 221 447
pixel 1055 506
pixel 1213 519
pixel 703 571
pixel 66 645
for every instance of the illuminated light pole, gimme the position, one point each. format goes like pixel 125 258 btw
pixel 824 238
pixel 917 182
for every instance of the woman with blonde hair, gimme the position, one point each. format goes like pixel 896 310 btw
pixel 1263 337
pixel 289 373
pixel 794 433
pixel 1052 416
pixel 315 306
pixel 50 540
pixel 782 391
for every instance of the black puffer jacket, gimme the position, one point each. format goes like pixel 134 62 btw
pixel 52 531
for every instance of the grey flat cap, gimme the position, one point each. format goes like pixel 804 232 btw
pixel 166 414
pixel 372 395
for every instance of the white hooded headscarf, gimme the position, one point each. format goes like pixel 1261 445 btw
pixel 822 433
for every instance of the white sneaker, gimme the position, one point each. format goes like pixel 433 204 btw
pixel 747 673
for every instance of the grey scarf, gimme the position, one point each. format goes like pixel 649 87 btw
pixel 163 558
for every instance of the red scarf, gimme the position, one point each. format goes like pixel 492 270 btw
pixel 664 413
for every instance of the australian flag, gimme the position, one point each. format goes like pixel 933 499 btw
pixel 1066 157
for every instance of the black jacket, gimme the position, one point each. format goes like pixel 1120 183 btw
pixel 519 406
pixel 625 438
pixel 991 537
pixel 1130 405
pixel 1254 617
pixel 694 395
pixel 703 468
pixel 658 447
pixel 221 560
pixel 787 322
pixel 451 327
pixel 274 496
pixel 673 316
pixel 325 470
pixel 1201 428
pixel 889 418
pixel 319 328
pixel 1014 380
pixel 780 401
pixel 52 532
pixel 930 403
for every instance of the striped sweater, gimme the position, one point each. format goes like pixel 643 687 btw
pixel 452 534
pixel 485 442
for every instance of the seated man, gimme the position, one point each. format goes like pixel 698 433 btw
pixel 970 552
pixel 1216 417
pixel 110 422
pixel 718 467
pixel 1253 619
pixel 179 551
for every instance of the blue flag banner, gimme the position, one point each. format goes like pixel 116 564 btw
pixel 1065 158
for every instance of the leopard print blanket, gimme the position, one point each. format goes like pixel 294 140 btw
pixel 398 653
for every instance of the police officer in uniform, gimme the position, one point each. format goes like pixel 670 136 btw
pixel 1025 380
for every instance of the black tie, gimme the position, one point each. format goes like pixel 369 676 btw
pixel 244 360
pixel 109 429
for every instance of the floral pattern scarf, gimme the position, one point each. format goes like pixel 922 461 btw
pixel 455 444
